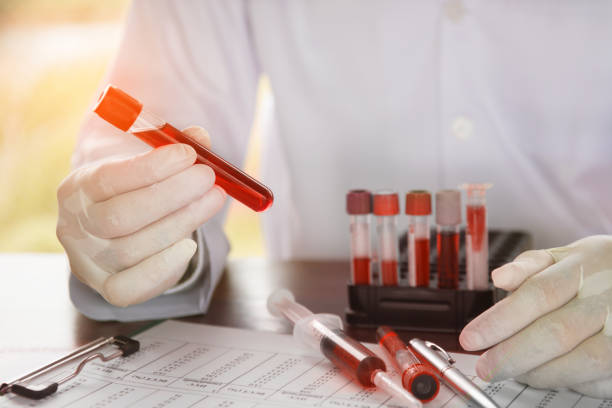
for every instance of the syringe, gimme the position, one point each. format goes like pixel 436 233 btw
pixel 323 332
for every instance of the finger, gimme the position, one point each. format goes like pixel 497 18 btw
pixel 596 389
pixel 127 251
pixel 122 175
pixel 199 134
pixel 540 294
pixel 511 275
pixel 591 360
pixel 82 266
pixel 127 213
pixel 151 277
pixel 544 340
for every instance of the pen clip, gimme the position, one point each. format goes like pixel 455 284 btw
pixel 439 349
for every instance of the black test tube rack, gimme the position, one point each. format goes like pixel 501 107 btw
pixel 430 308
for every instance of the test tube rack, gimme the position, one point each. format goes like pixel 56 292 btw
pixel 430 308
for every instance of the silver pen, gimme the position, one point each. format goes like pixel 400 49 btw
pixel 436 357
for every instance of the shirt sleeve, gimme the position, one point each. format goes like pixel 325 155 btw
pixel 191 63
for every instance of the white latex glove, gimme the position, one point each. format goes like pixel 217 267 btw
pixel 125 223
pixel 555 329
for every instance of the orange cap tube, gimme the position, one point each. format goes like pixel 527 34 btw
pixel 118 108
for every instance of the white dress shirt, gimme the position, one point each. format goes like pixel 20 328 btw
pixel 378 94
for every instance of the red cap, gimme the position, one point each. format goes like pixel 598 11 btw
pixel 386 203
pixel 418 202
pixel 118 108
pixel 421 381
pixel 358 202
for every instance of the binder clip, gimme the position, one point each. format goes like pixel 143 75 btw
pixel 126 346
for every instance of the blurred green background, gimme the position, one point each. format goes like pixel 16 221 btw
pixel 53 56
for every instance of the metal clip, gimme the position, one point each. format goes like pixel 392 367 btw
pixel 84 354
pixel 439 349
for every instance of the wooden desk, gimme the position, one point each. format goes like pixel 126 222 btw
pixel 39 319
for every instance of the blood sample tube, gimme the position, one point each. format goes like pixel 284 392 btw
pixel 386 208
pixel 418 209
pixel 476 237
pixel 417 378
pixel 359 207
pixel 448 219
pixel 127 114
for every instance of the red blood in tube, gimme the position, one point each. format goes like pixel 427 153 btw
pixel 361 271
pixel 236 183
pixel 352 357
pixel 448 260
pixel 421 254
pixel 476 219
pixel 389 272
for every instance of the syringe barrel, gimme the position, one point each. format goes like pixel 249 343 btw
pixel 350 355
pixel 323 332
pixel 127 114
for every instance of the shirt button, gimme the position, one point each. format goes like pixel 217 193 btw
pixel 462 128
pixel 454 10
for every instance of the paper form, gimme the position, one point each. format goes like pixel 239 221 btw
pixel 201 366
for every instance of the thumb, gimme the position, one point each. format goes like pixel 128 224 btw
pixel 199 134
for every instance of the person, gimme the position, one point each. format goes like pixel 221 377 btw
pixel 366 94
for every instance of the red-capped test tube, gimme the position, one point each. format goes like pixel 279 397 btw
pixel 386 209
pixel 418 209
pixel 417 378
pixel 448 220
pixel 359 207
pixel 126 113
pixel 476 237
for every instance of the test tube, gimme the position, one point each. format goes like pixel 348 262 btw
pixel 448 220
pixel 418 209
pixel 386 208
pixel 359 207
pixel 417 377
pixel 126 113
pixel 476 237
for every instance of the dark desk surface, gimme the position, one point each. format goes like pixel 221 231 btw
pixel 37 313
pixel 240 298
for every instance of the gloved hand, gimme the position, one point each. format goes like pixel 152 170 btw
pixel 125 223
pixel 555 329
